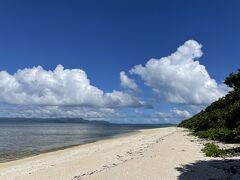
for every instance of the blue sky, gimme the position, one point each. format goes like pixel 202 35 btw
pixel 103 38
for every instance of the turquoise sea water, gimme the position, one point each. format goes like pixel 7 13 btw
pixel 19 140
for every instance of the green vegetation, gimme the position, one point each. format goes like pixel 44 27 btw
pixel 221 120
pixel 213 150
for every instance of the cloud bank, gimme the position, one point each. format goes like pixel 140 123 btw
pixel 36 111
pixel 173 115
pixel 60 87
pixel 180 78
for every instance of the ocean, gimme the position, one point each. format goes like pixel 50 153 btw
pixel 22 139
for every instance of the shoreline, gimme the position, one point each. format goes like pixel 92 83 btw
pixel 68 147
pixel 148 154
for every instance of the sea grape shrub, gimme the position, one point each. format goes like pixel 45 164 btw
pixel 213 150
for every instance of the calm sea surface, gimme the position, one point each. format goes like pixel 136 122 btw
pixel 19 140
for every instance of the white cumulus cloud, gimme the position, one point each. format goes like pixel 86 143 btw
pixel 180 78
pixel 126 82
pixel 60 87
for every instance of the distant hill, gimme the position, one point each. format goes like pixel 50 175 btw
pixel 220 120
pixel 51 120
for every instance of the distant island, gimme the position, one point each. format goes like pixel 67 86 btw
pixel 50 120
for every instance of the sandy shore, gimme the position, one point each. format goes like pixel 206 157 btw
pixel 163 153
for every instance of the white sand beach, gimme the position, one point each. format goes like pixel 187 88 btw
pixel 163 153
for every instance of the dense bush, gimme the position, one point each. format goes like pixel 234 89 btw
pixel 220 120
pixel 213 150
pixel 221 134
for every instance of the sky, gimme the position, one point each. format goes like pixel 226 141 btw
pixel 121 61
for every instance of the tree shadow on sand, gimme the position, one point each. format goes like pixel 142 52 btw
pixel 211 170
